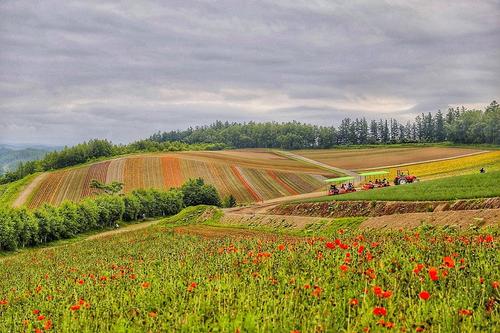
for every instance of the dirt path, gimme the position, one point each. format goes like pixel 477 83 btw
pixel 322 165
pixel 132 227
pixel 25 193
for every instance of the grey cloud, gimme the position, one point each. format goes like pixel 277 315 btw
pixel 73 70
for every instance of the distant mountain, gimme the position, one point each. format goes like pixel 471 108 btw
pixel 12 155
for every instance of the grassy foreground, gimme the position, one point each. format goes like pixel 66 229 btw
pixel 158 280
pixel 450 188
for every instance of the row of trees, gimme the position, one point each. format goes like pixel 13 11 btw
pixel 23 228
pixel 458 125
pixel 95 149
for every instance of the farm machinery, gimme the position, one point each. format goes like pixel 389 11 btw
pixel 340 185
pixel 372 180
pixel 404 177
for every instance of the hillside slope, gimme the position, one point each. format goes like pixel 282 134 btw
pixel 252 176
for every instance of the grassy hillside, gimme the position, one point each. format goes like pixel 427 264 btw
pixel 10 158
pixel 449 188
pixel 165 278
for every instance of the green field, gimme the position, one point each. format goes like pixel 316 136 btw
pixel 458 187
pixel 162 279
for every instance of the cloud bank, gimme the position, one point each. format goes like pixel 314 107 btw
pixel 74 70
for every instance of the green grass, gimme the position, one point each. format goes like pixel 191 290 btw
pixel 9 192
pixel 451 188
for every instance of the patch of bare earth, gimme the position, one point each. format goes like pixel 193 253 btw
pixel 26 192
pixel 269 221
pixel 461 219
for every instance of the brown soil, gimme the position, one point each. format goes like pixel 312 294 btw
pixel 269 221
pixel 25 193
pixel 460 219
pixel 378 208
pixel 356 159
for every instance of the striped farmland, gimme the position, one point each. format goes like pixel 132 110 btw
pixel 248 183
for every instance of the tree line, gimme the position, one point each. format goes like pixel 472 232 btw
pixel 21 228
pixel 95 149
pixel 457 125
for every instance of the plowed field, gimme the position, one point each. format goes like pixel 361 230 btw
pixel 366 158
pixel 256 177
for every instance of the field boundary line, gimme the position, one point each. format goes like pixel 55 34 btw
pixel 426 161
pixel 319 164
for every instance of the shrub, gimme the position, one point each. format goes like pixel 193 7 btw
pixel 196 192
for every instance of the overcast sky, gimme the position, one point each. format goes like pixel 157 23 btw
pixel 122 70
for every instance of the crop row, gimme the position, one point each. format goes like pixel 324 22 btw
pixel 453 167
pixel 163 172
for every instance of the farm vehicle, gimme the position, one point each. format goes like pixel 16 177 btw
pixel 404 177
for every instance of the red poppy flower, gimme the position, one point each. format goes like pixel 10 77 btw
pixel 387 294
pixel 153 314
pixel 354 301
pixel 465 312
pixel 344 268
pixel 281 247
pixel 418 268
pixel 424 295
pixel 433 274
pixel 379 311
pixel 35 312
pixel 307 286
pixel 495 284
pixel 145 285
pixel 317 291
pixel 75 307
pixel 48 325
pixel 330 245
pixel 377 291
pixel 41 317
pixel 4 302
pixel 192 286
pixel 80 282
pixel 449 262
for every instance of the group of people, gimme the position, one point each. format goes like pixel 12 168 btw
pixel 382 182
pixel 343 187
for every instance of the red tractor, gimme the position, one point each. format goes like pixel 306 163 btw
pixel 404 177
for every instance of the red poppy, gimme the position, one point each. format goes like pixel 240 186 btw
pixel 361 248
pixel 449 262
pixel 48 325
pixel 192 286
pixel 424 295
pixel 433 274
pixel 75 307
pixel 330 245
pixel 80 282
pixel 281 247
pixel 418 268
pixel 4 302
pixel 465 312
pixel 387 294
pixel 145 285
pixel 379 311
pixel 153 314
pixel 495 284
pixel 354 301
pixel 377 291
pixel 317 291
pixel 344 268
pixel 103 278
pixel 35 312
pixel 41 317
pixel 307 286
